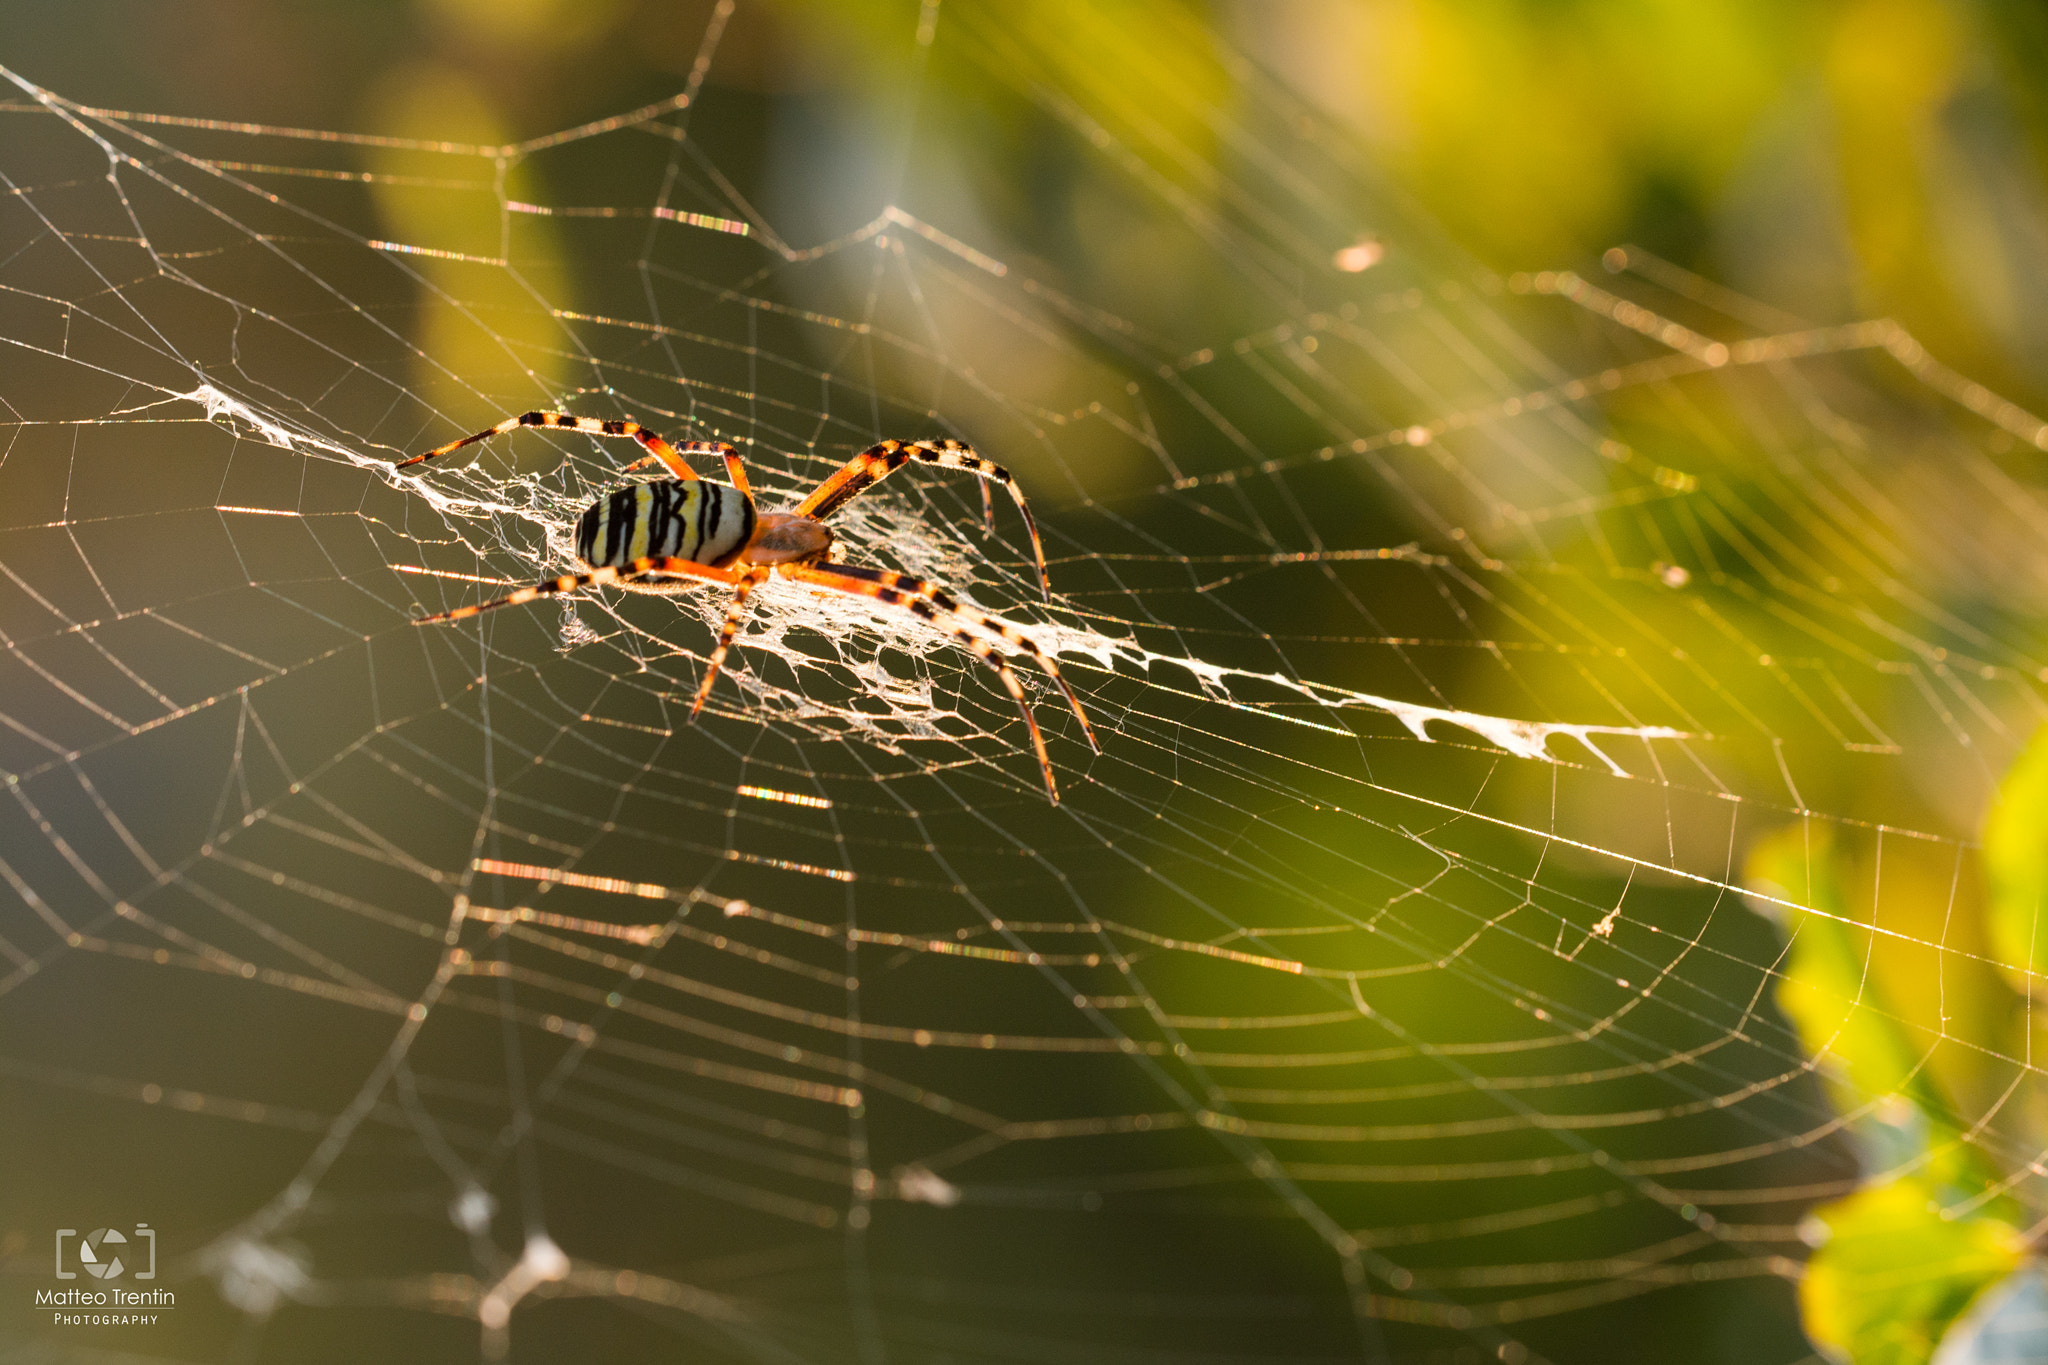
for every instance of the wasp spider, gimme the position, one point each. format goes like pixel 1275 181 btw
pixel 693 528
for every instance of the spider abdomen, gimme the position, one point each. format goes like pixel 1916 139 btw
pixel 697 520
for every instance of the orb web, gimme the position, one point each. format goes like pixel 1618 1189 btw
pixel 1389 985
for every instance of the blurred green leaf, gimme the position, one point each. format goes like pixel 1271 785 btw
pixel 2016 864
pixel 1898 1266
pixel 1827 989
pixel 1895 1272
pixel 485 347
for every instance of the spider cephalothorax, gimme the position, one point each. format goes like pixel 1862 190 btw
pixel 693 528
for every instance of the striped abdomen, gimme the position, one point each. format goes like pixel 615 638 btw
pixel 704 522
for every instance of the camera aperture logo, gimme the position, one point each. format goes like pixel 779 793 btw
pixel 105 1255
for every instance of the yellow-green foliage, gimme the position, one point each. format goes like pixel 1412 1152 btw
pixel 2016 865
pixel 1906 1254
pixel 1895 1272
pixel 1827 989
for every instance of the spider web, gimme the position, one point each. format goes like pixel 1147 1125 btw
pixel 1383 990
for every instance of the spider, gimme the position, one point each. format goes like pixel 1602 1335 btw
pixel 694 528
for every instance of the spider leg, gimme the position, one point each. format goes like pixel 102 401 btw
pixel 734 470
pixel 744 581
pixel 660 568
pixel 969 626
pixel 878 462
pixel 656 448
pixel 942 601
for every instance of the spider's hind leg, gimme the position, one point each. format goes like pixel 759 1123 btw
pixel 549 587
pixel 734 470
pixel 743 583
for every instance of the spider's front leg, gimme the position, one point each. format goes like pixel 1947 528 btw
pixel 972 628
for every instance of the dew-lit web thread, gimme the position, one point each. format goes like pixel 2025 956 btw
pixel 1138 649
